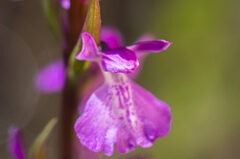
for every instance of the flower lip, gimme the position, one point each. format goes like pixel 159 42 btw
pixel 123 114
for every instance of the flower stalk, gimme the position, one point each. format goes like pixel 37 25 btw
pixel 82 15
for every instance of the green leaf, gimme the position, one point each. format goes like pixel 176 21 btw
pixel 92 25
pixel 93 21
pixel 50 11
pixel 37 150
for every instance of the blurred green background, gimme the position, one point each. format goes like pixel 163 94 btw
pixel 198 75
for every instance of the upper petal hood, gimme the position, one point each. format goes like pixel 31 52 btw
pixel 89 48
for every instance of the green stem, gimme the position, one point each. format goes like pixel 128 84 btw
pixel 69 109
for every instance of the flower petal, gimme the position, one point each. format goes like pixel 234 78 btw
pixel 141 55
pixel 65 4
pixel 51 78
pixel 150 46
pixel 96 122
pixel 149 117
pixel 119 60
pixel 155 114
pixel 122 112
pixel 15 145
pixel 112 37
pixel 89 48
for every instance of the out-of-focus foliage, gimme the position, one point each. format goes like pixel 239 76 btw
pixel 50 11
pixel 38 149
pixel 199 77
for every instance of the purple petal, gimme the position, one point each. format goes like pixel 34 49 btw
pixel 89 48
pixel 92 126
pixel 65 4
pixel 112 37
pixel 97 81
pixel 141 55
pixel 119 60
pixel 150 46
pixel 155 114
pixel 51 78
pixel 15 145
pixel 122 112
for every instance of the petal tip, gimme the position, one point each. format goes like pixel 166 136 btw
pixel 167 44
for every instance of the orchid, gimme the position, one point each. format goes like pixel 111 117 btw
pixel 95 75
pixel 65 4
pixel 51 78
pixel 120 111
pixel 15 142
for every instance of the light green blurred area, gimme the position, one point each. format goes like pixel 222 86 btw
pixel 198 76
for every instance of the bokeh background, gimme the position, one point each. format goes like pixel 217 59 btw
pixel 198 75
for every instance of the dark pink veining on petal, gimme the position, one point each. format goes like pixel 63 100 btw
pixel 122 112
pixel 119 60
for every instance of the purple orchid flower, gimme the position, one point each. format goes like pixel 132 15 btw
pixel 51 78
pixel 15 144
pixel 120 111
pixel 65 4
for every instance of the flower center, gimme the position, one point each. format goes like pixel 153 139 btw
pixel 104 46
